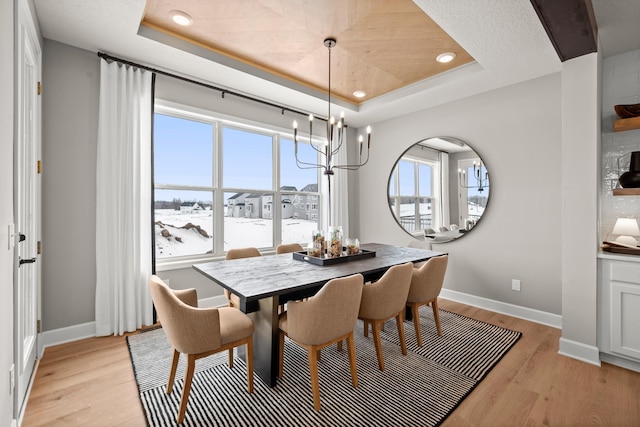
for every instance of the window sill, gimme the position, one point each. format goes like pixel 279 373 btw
pixel 169 265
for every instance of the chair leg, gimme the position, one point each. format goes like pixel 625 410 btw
pixel 231 358
pixel 416 322
pixel 339 345
pixel 378 343
pixel 400 324
pixel 172 372
pixel 436 316
pixel 313 371
pixel 250 364
pixel 351 348
pixel 188 377
pixel 281 355
pixel 366 328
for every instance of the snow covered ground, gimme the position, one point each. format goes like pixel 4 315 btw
pixel 179 234
pixel 175 237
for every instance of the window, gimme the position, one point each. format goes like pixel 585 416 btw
pixel 221 184
pixel 411 193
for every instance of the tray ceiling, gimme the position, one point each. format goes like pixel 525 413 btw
pixel 382 45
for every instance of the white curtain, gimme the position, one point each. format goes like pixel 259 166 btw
pixel 444 187
pixel 123 200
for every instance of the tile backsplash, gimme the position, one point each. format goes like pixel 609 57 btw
pixel 620 85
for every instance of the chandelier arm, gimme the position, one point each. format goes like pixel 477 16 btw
pixel 340 141
pixel 306 165
pixel 351 166
pixel 316 148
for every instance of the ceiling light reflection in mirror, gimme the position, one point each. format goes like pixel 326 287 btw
pixel 438 189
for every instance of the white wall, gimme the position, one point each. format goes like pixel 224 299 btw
pixel 71 79
pixel 580 182
pixel 7 9
pixel 517 130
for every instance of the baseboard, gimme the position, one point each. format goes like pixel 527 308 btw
pixel 620 361
pixel 22 411
pixel 569 348
pixel 537 316
pixel 576 350
pixel 68 334
pixel 88 330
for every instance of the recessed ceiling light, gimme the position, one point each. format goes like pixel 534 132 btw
pixel 181 18
pixel 446 57
pixel 359 94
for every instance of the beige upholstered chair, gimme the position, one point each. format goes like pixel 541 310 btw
pixel 288 248
pixel 237 253
pixel 326 318
pixel 198 332
pixel 426 284
pixel 383 300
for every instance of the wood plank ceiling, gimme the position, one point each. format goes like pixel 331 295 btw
pixel 382 45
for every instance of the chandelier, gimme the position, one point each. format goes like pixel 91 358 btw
pixel 336 137
pixel 480 175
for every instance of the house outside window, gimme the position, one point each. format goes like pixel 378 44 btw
pixel 216 181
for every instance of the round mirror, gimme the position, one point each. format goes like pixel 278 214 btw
pixel 438 189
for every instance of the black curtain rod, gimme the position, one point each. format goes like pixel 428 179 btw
pixel 208 86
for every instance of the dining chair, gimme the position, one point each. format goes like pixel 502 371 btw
pixel 326 318
pixel 383 300
pixel 444 228
pixel 288 248
pixel 237 253
pixel 426 284
pixel 199 332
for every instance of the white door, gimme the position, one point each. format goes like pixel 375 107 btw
pixel 27 204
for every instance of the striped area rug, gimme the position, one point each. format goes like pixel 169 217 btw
pixel 420 389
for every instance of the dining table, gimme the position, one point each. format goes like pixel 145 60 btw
pixel 264 283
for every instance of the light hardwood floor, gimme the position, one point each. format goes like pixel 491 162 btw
pixel 91 383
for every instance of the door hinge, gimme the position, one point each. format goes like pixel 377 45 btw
pixel 39 88
pixel 39 166
pixel 39 247
pixel 39 326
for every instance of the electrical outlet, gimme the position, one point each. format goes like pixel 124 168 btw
pixel 12 379
pixel 515 285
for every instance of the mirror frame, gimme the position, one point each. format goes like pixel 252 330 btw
pixel 452 173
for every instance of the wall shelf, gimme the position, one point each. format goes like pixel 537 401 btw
pixel 622 125
pixel 626 191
